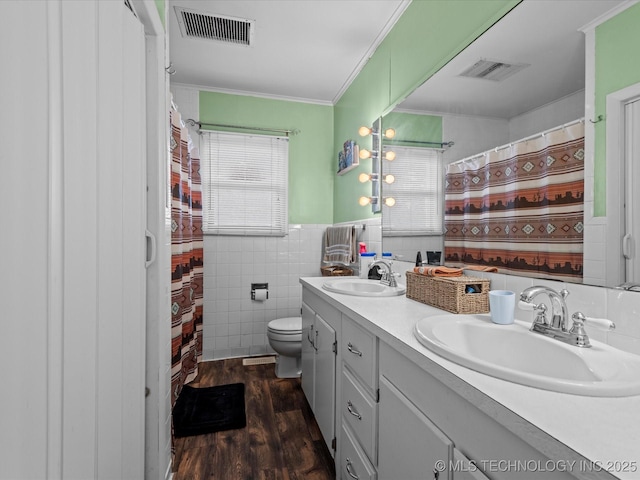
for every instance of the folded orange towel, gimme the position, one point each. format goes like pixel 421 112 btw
pixel 438 271
pixel 480 268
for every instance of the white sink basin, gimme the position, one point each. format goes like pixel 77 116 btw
pixel 362 287
pixel 513 353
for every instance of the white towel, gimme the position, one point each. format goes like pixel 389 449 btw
pixel 340 245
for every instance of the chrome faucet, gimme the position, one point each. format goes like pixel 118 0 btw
pixel 557 327
pixel 559 310
pixel 388 277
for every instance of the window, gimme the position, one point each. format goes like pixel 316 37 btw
pixel 244 184
pixel 417 190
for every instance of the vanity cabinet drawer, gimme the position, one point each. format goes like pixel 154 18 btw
pixel 361 412
pixel 354 464
pixel 360 353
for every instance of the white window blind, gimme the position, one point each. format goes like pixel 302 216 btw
pixel 244 184
pixel 417 190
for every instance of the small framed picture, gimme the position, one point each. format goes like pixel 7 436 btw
pixel 348 157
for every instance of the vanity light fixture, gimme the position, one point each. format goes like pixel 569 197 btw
pixel 364 131
pixel 364 154
pixel 389 155
pixel 367 177
pixel 376 154
pixel 364 201
pixel 388 201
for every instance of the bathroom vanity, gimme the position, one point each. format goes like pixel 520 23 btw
pixel 392 409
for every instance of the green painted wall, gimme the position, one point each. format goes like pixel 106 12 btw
pixel 160 6
pixel 426 37
pixel 413 127
pixel 312 163
pixel 617 67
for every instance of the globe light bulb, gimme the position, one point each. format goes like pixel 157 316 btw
pixel 390 155
pixel 364 131
pixel 389 178
pixel 364 201
pixel 389 133
pixel 389 201
pixel 364 177
pixel 364 154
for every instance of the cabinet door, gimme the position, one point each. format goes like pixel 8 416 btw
pixel 325 387
pixel 410 445
pixel 308 353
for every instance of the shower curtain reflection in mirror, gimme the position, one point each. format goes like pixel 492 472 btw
pixel 520 207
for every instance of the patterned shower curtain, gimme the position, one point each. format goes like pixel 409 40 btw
pixel 186 257
pixel 520 208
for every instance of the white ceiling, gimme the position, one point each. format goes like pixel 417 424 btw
pixel 310 50
pixel 303 49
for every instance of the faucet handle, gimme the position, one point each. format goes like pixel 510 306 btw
pixel 577 325
pixel 529 307
pixel 541 308
pixel 579 319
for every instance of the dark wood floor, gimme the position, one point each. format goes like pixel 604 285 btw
pixel 281 440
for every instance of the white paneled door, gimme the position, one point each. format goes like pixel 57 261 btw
pixel 631 238
pixel 73 244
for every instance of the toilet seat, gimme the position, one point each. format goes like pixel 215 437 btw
pixel 286 326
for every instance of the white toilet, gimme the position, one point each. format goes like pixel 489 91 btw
pixel 285 337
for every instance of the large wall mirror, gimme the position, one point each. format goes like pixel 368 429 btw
pixel 545 89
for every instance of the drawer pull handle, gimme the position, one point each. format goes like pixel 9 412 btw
pixel 353 411
pixel 353 350
pixel 351 474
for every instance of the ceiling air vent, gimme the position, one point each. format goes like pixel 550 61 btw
pixel 492 70
pixel 220 28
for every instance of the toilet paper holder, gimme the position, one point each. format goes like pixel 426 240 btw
pixel 259 286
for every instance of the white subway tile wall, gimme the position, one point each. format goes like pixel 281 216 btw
pixel 234 325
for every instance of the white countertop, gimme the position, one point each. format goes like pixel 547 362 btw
pixel 600 429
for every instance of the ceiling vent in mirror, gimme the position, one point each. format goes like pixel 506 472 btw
pixel 492 70
pixel 220 28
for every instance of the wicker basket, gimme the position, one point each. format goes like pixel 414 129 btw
pixel 336 271
pixel 449 293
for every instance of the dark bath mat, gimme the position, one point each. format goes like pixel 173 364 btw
pixel 211 409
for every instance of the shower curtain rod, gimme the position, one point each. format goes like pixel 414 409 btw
pixel 419 142
pixel 193 123
pixel 530 137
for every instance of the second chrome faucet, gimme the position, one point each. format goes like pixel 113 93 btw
pixel 557 328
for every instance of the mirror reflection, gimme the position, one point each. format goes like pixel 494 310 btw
pixel 523 77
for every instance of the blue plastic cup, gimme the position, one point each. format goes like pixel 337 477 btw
pixel 502 304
